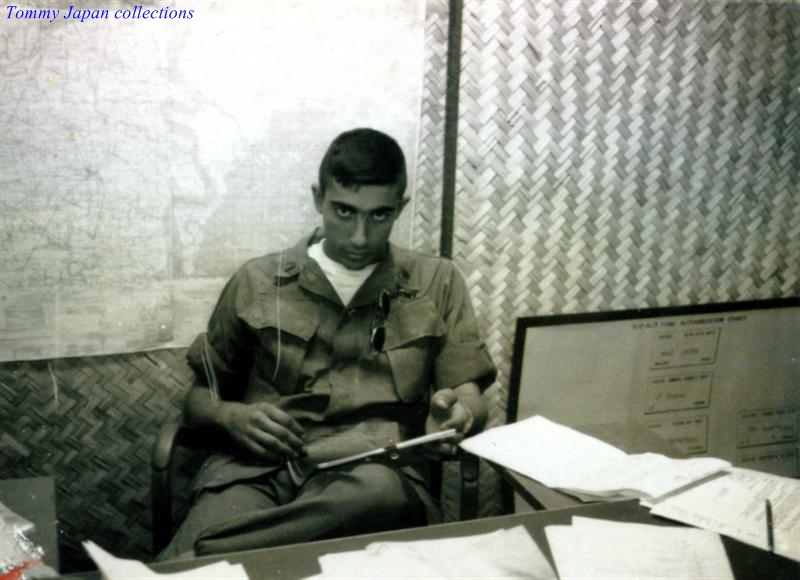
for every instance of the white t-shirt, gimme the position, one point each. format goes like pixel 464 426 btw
pixel 346 282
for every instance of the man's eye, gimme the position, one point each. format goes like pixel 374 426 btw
pixel 381 216
pixel 344 212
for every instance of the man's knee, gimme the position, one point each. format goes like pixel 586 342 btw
pixel 381 489
pixel 211 508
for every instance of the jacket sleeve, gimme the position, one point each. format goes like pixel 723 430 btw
pixel 464 356
pixel 223 356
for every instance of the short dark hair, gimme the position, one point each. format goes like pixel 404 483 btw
pixel 364 157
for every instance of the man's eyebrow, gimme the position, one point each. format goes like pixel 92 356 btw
pixel 383 208
pixel 339 206
pixel 342 205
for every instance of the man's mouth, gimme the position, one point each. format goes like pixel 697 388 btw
pixel 357 256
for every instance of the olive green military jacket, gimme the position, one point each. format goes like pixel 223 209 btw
pixel 280 334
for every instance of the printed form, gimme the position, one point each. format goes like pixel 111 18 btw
pixel 735 505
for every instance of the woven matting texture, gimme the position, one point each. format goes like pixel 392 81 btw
pixel 624 154
pixel 427 213
pixel 617 155
pixel 427 203
pixel 91 422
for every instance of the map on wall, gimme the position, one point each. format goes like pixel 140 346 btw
pixel 143 160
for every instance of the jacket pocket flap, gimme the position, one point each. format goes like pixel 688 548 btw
pixel 287 317
pixel 412 321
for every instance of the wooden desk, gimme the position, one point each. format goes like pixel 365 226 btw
pixel 300 560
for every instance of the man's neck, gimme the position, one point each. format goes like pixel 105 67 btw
pixel 345 281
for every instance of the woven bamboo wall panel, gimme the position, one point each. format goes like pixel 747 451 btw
pixel 427 213
pixel 91 422
pixel 626 154
pixel 427 209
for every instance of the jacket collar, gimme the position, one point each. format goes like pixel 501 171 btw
pixel 391 274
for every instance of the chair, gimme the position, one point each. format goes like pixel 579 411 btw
pixel 173 436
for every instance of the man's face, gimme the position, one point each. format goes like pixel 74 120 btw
pixel 357 222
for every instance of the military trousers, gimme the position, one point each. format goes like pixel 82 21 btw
pixel 272 510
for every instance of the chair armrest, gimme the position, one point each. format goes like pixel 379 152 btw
pixel 171 435
pixel 164 447
pixel 161 483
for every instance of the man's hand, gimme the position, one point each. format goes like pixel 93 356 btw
pixel 263 429
pixel 447 411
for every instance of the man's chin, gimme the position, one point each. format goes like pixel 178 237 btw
pixel 356 264
pixel 354 260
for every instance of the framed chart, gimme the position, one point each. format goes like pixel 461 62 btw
pixel 720 380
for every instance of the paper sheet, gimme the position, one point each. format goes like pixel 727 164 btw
pixel 507 553
pixel 734 505
pixel 566 459
pixel 649 475
pixel 114 568
pixel 537 447
pixel 596 549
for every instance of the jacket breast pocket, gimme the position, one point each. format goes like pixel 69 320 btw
pixel 283 340
pixel 414 331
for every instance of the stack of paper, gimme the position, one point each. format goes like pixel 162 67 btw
pixel 734 504
pixel 581 465
pixel 113 568
pixel 595 549
pixel 502 554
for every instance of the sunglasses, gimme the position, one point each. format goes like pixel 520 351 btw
pixel 378 334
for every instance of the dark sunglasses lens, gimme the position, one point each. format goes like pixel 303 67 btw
pixel 378 338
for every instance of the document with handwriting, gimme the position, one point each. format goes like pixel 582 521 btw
pixel 592 548
pixel 734 505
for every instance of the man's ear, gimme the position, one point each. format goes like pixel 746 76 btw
pixel 319 197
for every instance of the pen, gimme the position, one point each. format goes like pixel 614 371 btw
pixel 770 528
pixel 381 450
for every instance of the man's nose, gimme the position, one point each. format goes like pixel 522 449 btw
pixel 358 237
